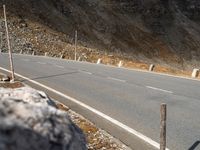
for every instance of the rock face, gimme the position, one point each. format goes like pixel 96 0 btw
pixel 160 30
pixel 28 122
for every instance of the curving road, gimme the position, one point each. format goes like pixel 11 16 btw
pixel 131 97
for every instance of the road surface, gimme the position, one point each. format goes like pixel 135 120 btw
pixel 129 96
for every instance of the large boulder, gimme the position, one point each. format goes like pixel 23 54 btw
pixel 28 122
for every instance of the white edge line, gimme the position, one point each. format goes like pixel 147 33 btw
pixel 108 118
pixel 158 89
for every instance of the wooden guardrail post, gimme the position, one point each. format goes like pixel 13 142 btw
pixel 1 41
pixel 163 118
pixel 75 45
pixel 9 47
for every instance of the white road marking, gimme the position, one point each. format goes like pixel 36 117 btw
pixel 43 63
pixel 116 79
pixel 85 72
pixel 25 59
pixel 158 89
pixel 97 112
pixel 58 66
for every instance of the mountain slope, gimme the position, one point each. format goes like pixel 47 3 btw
pixel 161 31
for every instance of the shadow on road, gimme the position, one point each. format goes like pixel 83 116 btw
pixel 194 146
pixel 50 76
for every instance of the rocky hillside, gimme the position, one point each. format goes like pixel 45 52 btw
pixel 159 31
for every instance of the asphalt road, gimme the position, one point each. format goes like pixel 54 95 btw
pixel 129 96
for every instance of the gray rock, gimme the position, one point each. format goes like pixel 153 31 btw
pixel 26 123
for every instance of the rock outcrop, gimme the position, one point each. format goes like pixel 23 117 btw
pixel 28 121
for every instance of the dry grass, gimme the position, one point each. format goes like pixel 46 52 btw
pixel 166 70
pixel 14 85
pixel 137 65
pixel 11 85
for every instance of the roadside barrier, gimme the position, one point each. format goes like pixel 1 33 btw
pixel 151 67
pixel 195 73
pixel 99 61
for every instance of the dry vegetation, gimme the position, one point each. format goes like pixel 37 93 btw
pixel 7 84
pixel 11 85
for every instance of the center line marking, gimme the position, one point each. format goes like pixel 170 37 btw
pixel 158 89
pixel 85 72
pixel 116 79
pixel 25 59
pixel 41 63
pixel 59 66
